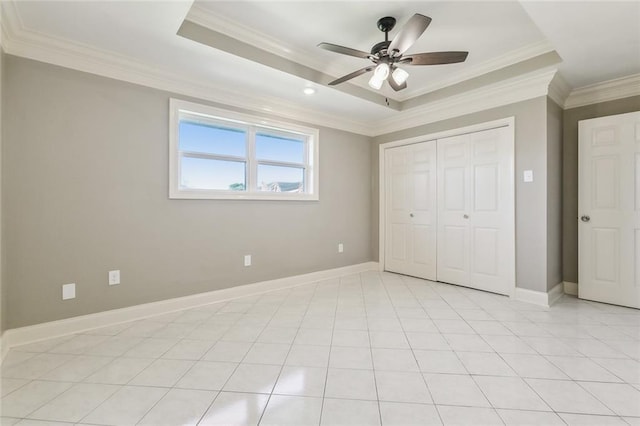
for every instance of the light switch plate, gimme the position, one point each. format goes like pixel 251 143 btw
pixel 340 248
pixel 247 260
pixel 528 176
pixel 68 291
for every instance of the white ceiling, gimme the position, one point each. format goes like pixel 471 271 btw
pixel 597 41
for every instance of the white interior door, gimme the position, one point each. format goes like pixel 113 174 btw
pixel 410 199
pixel 609 209
pixel 475 237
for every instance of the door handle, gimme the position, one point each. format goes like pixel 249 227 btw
pixel 410 214
pixel 585 218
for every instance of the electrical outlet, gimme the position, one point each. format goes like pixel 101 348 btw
pixel 340 248
pixel 527 176
pixel 247 260
pixel 114 277
pixel 68 291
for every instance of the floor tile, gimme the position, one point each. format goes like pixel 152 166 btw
pixel 207 375
pixel 587 419
pixel 533 366
pixel 529 418
pixel 9 385
pixel 350 357
pixel 267 353
pixel 509 345
pixel 626 369
pixel 78 344
pixel 349 383
pixel 312 336
pixel 162 372
pixel 179 407
pixel 402 387
pixel 439 362
pixel 388 340
pixel 227 351
pixel 394 360
pixel 467 343
pixel 301 381
pixel 622 399
pixel 308 356
pixel 453 326
pixel 489 328
pixel 150 348
pixel 231 408
pixel 449 389
pixel 292 410
pixel 75 403
pixel 428 341
pixel 485 363
pixel 253 378
pixel 114 346
pixel 126 407
pixel 341 412
pixel 120 371
pixel 580 368
pixel 188 350
pixel 471 416
pixel 397 414
pixel 283 335
pixel 37 366
pixel 550 346
pixel 30 397
pixel 351 338
pixel 566 396
pixel 510 392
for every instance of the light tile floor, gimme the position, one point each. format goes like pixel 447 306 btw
pixel 367 349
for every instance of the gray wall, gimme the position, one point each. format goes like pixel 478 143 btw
pixel 531 198
pixel 85 190
pixel 554 194
pixel 570 174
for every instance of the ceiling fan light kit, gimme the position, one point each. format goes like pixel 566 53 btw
pixel 386 55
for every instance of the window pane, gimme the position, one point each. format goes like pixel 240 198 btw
pixel 199 173
pixel 280 179
pixel 278 148
pixel 212 139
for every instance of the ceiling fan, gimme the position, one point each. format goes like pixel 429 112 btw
pixel 388 55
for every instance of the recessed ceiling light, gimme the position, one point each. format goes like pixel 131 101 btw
pixel 309 90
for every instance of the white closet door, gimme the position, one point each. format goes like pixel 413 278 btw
pixel 609 209
pixel 476 210
pixel 410 228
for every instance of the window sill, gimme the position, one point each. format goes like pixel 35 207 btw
pixel 215 195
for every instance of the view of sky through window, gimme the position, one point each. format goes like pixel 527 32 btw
pixel 223 174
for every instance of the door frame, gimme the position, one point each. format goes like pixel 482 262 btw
pixel 508 122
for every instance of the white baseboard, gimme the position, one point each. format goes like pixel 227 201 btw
pixel 570 288
pixel 4 349
pixel 34 333
pixel 539 298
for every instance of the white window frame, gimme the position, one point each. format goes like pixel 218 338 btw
pixel 251 123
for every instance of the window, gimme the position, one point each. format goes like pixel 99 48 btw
pixel 222 154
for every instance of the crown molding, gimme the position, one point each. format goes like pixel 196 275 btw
pixel 606 91
pixel 559 90
pixel 510 58
pixel 517 89
pixel 65 53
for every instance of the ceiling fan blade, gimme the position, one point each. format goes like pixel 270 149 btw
pixel 352 75
pixel 344 50
pixel 408 34
pixel 436 58
pixel 395 86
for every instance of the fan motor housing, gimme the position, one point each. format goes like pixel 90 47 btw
pixel 378 47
